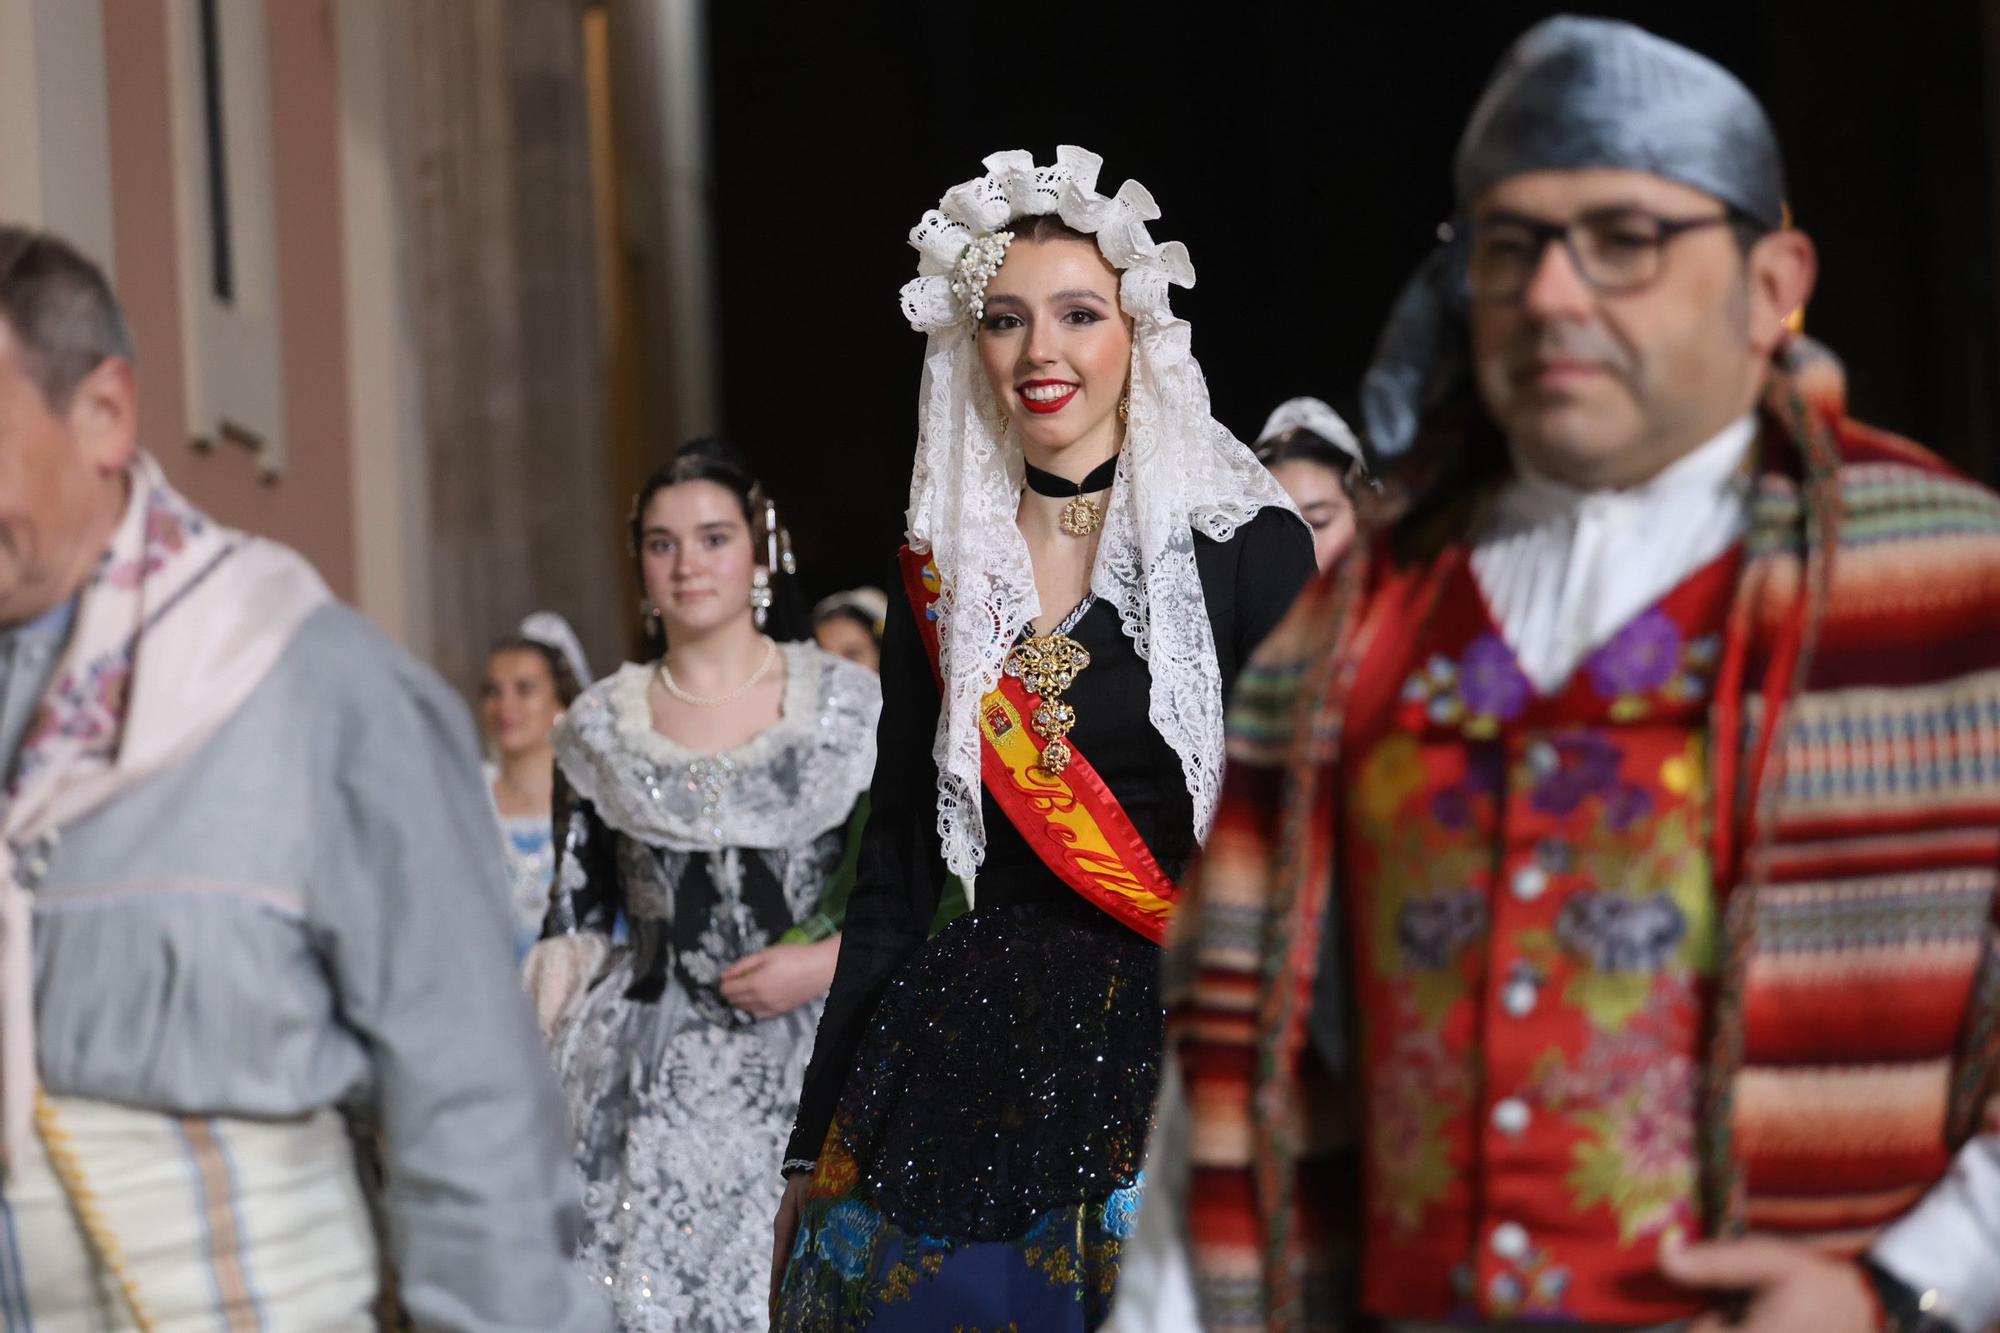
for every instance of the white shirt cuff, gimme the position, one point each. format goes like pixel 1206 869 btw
pixel 1950 1242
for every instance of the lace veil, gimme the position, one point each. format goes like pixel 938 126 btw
pixel 1180 473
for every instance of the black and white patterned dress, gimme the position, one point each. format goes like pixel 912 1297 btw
pixel 680 1103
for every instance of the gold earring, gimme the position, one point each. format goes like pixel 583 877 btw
pixel 1125 410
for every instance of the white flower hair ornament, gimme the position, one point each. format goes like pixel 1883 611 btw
pixel 977 263
pixel 1180 473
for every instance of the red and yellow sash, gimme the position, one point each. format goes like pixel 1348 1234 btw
pixel 1073 822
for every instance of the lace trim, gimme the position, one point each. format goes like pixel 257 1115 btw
pixel 795 779
pixel 797 710
pixel 1180 473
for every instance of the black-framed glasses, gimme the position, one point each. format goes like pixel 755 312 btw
pixel 1614 250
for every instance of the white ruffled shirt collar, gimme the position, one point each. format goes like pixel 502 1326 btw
pixel 1564 569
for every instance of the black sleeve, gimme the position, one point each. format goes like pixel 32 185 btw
pixel 585 894
pixel 1275 565
pixel 900 879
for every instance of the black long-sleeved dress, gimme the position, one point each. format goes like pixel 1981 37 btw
pixel 989 1091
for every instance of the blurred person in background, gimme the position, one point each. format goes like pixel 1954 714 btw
pixel 530 678
pixel 849 624
pixel 705 796
pixel 246 886
pixel 1316 458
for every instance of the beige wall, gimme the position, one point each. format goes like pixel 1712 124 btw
pixel 311 506
pixel 385 377
pixel 54 166
pixel 147 245
pixel 20 115
pixel 411 189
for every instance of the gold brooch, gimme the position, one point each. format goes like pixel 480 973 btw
pixel 1081 517
pixel 1048 664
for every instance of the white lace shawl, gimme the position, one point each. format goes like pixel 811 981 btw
pixel 782 788
pixel 1181 472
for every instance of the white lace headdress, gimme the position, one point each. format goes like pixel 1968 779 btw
pixel 1180 472
pixel 1313 415
pixel 552 631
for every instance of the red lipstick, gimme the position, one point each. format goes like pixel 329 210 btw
pixel 1043 407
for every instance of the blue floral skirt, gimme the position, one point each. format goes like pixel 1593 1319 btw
pixel 853 1269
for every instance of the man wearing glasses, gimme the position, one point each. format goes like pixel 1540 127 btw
pixel 1599 925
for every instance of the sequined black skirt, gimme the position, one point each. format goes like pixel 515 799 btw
pixel 1010 1070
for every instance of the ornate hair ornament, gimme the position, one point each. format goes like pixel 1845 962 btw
pixel 1313 415
pixel 871 604
pixel 961 243
pixel 976 266
pixel 778 557
pixel 553 632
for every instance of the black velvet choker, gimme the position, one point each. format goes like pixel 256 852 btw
pixel 1062 488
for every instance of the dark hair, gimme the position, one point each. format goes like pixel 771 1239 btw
pixel 62 312
pixel 567 685
pixel 1045 227
pixel 854 615
pixel 1746 229
pixel 707 458
pixel 1297 444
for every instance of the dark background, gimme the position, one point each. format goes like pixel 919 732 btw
pixel 1302 152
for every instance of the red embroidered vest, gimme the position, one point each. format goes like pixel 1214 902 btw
pixel 1534 922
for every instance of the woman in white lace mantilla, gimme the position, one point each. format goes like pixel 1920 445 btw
pixel 1091 555
pixel 704 799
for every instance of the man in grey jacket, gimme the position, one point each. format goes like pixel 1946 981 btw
pixel 249 900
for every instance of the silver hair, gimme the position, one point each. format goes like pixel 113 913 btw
pixel 62 311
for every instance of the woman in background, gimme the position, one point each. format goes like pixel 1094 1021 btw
pixel 530 678
pixel 704 796
pixel 849 624
pixel 1315 457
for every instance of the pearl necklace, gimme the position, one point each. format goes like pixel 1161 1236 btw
pixel 673 686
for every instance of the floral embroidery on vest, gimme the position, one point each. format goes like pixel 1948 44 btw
pixel 1529 883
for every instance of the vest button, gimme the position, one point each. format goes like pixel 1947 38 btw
pixel 1511 1116
pixel 1529 882
pixel 1510 1241
pixel 1543 759
pixel 1518 998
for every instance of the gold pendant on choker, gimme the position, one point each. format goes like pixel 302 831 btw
pixel 1048 664
pixel 1081 517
